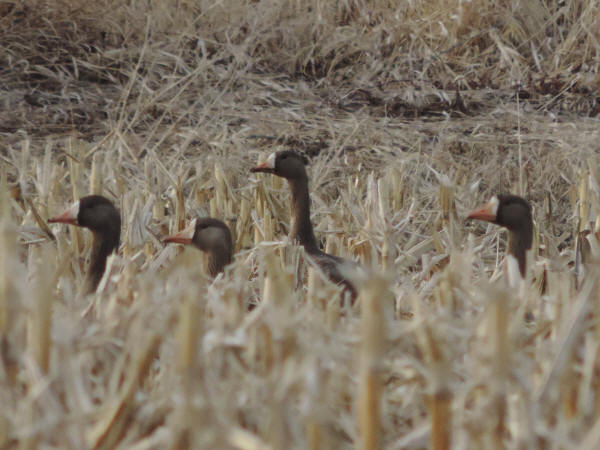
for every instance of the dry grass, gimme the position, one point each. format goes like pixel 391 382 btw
pixel 164 106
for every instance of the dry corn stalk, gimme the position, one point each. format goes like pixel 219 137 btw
pixel 501 350
pixel 179 206
pixel 108 430
pixel 96 175
pixel 373 339
pixel 440 402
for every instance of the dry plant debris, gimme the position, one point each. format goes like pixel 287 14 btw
pixel 410 112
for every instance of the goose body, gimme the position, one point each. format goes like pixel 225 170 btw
pixel 211 236
pixel 513 213
pixel 99 215
pixel 291 165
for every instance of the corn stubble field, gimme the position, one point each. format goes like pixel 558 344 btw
pixel 411 114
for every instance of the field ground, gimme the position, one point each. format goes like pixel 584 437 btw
pixel 410 115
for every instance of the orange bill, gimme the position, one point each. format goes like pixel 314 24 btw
pixel 69 216
pixel 481 214
pixel 486 213
pixel 268 166
pixel 263 167
pixel 185 236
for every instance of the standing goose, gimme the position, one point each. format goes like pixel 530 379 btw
pixel 291 166
pixel 513 213
pixel 99 215
pixel 211 236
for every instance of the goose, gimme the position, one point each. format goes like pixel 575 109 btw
pixel 513 213
pixel 99 215
pixel 291 165
pixel 211 236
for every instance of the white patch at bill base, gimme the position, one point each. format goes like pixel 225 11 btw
pixel 271 160
pixel 493 205
pixel 188 232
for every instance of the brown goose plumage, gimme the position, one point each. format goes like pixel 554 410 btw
pixel 211 236
pixel 291 166
pixel 514 213
pixel 99 215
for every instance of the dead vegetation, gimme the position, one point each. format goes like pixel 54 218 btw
pixel 410 115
